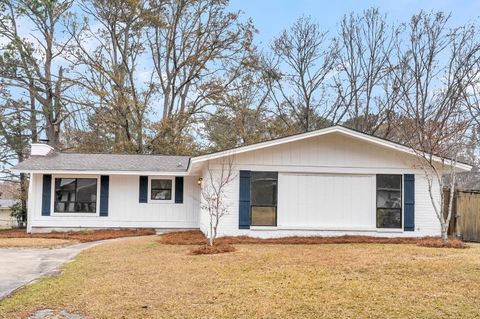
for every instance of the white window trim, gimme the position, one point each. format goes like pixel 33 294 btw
pixel 390 230
pixel 264 228
pixel 52 201
pixel 160 201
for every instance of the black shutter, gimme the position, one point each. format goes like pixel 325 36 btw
pixel 178 190
pixel 143 189
pixel 244 199
pixel 409 202
pixel 46 194
pixel 104 187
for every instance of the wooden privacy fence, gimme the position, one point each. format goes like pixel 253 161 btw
pixel 465 222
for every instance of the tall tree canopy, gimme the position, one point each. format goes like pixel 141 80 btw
pixel 187 76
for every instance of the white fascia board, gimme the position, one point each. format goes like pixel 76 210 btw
pixel 83 172
pixel 338 129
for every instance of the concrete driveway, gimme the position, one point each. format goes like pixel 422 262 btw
pixel 20 266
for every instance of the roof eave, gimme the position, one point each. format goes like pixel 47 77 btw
pixel 99 172
pixel 243 149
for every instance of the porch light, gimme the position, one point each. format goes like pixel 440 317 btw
pixel 200 181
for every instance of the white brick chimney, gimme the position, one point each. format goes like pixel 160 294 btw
pixel 39 149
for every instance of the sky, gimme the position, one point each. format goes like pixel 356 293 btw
pixel 272 16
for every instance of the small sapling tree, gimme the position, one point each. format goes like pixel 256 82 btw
pixel 214 201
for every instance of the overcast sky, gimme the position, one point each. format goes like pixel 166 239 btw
pixel 272 16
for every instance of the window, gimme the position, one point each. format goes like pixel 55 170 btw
pixel 263 210
pixel 389 201
pixel 161 189
pixel 75 195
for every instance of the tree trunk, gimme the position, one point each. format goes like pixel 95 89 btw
pixel 445 232
pixel 53 134
pixel 23 189
pixel 23 196
pixel 33 117
pixel 210 234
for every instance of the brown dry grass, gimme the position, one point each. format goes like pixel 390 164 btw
pixel 33 242
pixel 144 279
pixel 211 250
pixel 81 236
pixel 195 237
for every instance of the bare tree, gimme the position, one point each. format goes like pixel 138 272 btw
pixel 214 200
pixel 363 83
pixel 242 113
pixel 435 69
pixel 110 72
pixel 450 143
pixel 197 47
pixel 33 97
pixel 302 62
pixel 32 61
pixel 473 97
pixel 15 138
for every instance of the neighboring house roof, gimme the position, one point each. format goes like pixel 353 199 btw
pixel 7 203
pixel 467 181
pixel 56 161
pixel 8 190
pixel 8 195
pixel 181 165
pixel 329 130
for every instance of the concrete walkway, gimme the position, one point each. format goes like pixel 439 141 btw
pixel 21 266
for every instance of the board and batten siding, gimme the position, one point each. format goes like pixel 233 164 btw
pixel 326 200
pixel 346 166
pixel 124 209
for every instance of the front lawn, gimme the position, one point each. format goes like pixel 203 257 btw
pixel 143 278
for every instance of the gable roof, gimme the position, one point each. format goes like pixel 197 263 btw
pixel 182 165
pixel 329 130
pixel 121 163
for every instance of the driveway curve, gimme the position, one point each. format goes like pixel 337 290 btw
pixel 21 266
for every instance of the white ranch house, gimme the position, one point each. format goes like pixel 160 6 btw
pixel 328 182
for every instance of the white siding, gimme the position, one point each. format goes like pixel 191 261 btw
pixel 326 187
pixel 426 221
pixel 6 220
pixel 326 201
pixel 339 156
pixel 124 208
pixel 327 153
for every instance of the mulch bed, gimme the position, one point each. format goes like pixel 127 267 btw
pixel 82 236
pixel 195 237
pixel 215 249
pixel 434 242
pixel 191 237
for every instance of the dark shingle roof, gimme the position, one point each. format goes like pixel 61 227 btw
pixel 104 162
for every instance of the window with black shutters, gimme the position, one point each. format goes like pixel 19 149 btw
pixel 75 195
pixel 161 189
pixel 263 209
pixel 389 201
